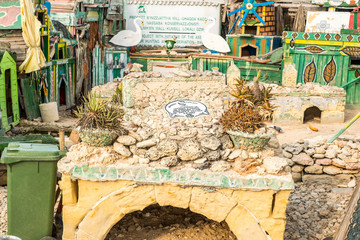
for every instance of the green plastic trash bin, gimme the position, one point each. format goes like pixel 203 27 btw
pixel 32 173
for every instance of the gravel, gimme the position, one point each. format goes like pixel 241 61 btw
pixel 3 210
pixel 315 211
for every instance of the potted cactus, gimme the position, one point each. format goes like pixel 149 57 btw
pixel 100 121
pixel 246 115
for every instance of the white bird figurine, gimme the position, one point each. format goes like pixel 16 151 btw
pixel 213 41
pixel 128 38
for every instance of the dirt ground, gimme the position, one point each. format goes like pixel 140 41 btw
pixel 295 132
pixel 168 223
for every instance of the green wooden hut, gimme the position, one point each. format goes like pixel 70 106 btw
pixel 326 58
pixel 8 92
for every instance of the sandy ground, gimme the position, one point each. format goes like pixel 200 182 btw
pixel 294 132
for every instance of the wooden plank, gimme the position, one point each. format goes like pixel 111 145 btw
pixel 344 227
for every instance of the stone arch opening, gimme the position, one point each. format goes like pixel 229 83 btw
pixel 312 114
pixel 167 222
pixel 248 50
pixel 215 205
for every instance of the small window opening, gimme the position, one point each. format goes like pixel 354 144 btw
pixel 250 30
pixel 248 51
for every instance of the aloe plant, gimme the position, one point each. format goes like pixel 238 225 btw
pixel 98 113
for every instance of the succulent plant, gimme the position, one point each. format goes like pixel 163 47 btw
pixel 250 108
pixel 99 113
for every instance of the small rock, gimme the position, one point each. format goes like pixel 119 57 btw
pixel 254 155
pixel 200 160
pixel 153 154
pixel 144 160
pixel 121 149
pixel 352 166
pixel 297 168
pixel 290 162
pixel 320 150
pixel 331 170
pixel 323 162
pixel 295 148
pixel 225 153
pixel 211 143
pixel 167 148
pixel 189 150
pixel 331 153
pixel 303 159
pixel 352 183
pixel 287 154
pixel 126 140
pixel 318 156
pixel 213 155
pixel 145 132
pixel 136 136
pixel 314 169
pixel 274 142
pixel 226 142
pixel 244 155
pixel 338 163
pixel 296 177
pixel 169 161
pixel 220 166
pixel 236 153
pixel 310 151
pixel 202 166
pixel 146 143
pixel 274 165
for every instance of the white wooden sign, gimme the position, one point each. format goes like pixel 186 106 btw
pixel 162 22
pixel 327 22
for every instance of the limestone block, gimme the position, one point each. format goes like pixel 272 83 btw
pixel 100 220
pixel 72 216
pixel 69 190
pixel 170 195
pixel 259 203
pixel 289 76
pixel 213 205
pixel 130 199
pixel 275 227
pixel 332 117
pixel 244 225
pixel 281 201
pixel 90 192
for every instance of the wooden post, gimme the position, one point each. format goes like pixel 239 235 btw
pixel 62 139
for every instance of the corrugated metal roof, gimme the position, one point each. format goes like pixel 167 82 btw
pixel 178 2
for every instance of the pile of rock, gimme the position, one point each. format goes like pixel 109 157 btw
pixel 315 211
pixel 3 210
pixel 317 161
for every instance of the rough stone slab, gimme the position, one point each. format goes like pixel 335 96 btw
pixel 144 174
pixel 303 159
pixel 126 140
pixel 205 202
pixel 146 143
pixel 281 201
pixel 121 149
pixel 169 195
pixel 96 222
pixel 259 203
pixel 338 180
pixel 274 165
pixel 244 225
pixel 275 227
pixel 314 169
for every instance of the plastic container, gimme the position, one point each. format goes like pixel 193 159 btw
pixel 31 170
pixel 44 138
pixel 8 237
pixel 49 112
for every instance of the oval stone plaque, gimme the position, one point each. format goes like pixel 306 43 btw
pixel 186 108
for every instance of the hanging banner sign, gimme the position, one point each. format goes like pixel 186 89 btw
pixel 162 22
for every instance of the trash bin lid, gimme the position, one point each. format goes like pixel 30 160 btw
pixel 20 152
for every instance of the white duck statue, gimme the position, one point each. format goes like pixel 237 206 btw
pixel 128 38
pixel 213 41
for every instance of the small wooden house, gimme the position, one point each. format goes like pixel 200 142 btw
pixel 8 92
pixel 326 58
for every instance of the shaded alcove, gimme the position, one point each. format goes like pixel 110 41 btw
pixel 162 223
pixel 312 114
pixel 248 50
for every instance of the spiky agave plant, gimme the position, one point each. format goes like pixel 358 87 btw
pixel 98 113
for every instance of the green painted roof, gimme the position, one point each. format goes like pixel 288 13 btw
pixel 10 17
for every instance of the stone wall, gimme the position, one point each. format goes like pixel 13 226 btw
pixel 91 209
pixel 293 102
pixel 316 161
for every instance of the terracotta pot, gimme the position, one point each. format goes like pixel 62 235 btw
pixel 249 141
pixel 98 137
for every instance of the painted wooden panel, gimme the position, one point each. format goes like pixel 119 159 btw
pixel 262 43
pixel 10 17
pixel 327 22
